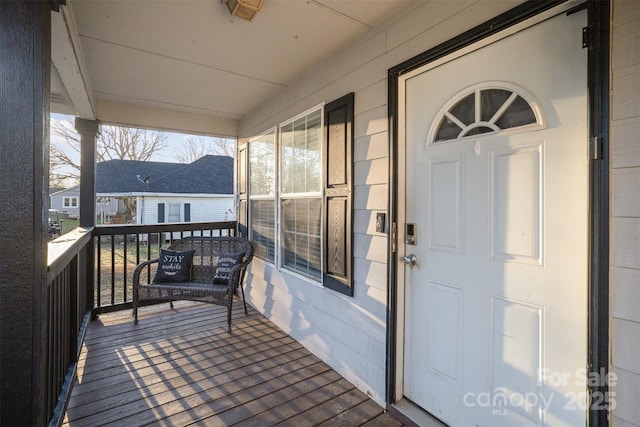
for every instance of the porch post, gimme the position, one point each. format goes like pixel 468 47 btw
pixel 88 130
pixel 25 62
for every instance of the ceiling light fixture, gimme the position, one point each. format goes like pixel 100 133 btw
pixel 245 9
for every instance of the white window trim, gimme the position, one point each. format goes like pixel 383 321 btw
pixel 70 200
pixel 303 114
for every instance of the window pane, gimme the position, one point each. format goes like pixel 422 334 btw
pixel 301 155
pixel 301 236
pixel 519 113
pixel 479 130
pixel 287 158
pixel 263 226
pixel 174 213
pixel 490 102
pixel 465 109
pixel 447 130
pixel 262 166
pixel 312 154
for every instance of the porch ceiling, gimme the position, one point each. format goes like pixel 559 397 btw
pixel 188 64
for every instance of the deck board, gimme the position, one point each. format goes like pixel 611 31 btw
pixel 181 367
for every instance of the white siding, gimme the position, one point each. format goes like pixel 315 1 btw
pixel 625 211
pixel 350 333
pixel 203 209
pixel 110 208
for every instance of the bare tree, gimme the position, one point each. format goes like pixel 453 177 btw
pixel 198 146
pixel 64 168
pixel 117 142
pixel 114 142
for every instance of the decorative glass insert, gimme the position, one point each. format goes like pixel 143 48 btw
pixel 484 110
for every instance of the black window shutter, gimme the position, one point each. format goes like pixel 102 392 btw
pixel 338 192
pixel 187 212
pixel 160 212
pixel 242 168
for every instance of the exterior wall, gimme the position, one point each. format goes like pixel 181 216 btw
pixel 109 209
pixel 57 201
pixel 625 211
pixel 350 333
pixel 202 208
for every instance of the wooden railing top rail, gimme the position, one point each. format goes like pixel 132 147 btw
pixel 62 250
pixel 119 229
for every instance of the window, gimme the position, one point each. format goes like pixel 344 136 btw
pixel 487 108
pixel 262 187
pixel 301 194
pixel 70 202
pixel 300 218
pixel 174 213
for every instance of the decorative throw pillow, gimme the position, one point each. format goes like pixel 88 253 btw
pixel 225 263
pixel 174 266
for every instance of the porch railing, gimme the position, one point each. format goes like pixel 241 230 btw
pixel 89 272
pixel 67 305
pixel 119 248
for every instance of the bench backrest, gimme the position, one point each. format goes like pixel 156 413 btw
pixel 208 250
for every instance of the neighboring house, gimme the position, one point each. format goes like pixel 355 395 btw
pixel 66 201
pixel 157 192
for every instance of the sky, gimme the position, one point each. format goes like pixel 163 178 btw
pixel 173 143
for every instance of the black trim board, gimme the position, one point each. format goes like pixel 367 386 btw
pixel 599 22
pixel 598 90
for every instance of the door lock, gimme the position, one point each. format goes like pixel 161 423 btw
pixel 410 234
pixel 410 259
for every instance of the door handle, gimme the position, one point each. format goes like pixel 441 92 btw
pixel 410 259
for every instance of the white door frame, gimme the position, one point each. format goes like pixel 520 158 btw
pixel 481 36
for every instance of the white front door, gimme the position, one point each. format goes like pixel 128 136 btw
pixel 497 186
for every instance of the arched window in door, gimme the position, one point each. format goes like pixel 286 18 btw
pixel 486 108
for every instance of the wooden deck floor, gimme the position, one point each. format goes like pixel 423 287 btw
pixel 181 367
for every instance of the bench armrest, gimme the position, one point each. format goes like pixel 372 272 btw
pixel 236 274
pixel 138 271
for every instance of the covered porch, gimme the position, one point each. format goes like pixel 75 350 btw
pixel 181 367
pixel 187 67
pixel 176 366
pixel 190 66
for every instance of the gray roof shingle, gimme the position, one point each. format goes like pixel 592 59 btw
pixel 209 175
